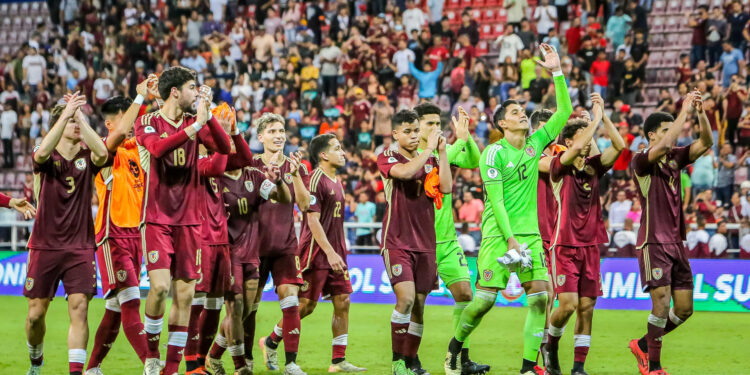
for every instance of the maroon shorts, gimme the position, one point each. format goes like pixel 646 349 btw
pixel 285 269
pixel 406 265
pixel 577 270
pixel 242 272
pixel 326 282
pixel 665 265
pixel 119 261
pixel 546 246
pixel 216 270
pixel 173 247
pixel 46 268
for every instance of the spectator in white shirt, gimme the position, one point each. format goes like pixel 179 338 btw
pixel 402 58
pixel 39 121
pixel 510 44
pixel 718 243
pixel 545 16
pixel 619 209
pixel 413 17
pixel 131 14
pixel 34 67
pixel 10 95
pixel 218 8
pixel 103 88
pixel 465 240
pixel 8 121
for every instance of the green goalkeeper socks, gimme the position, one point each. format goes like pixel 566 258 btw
pixel 473 313
pixel 533 330
pixel 458 309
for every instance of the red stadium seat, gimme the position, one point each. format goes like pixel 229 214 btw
pixel 688 5
pixel 478 4
pixel 482 48
pixel 674 6
pixel 502 15
pixel 492 3
pixel 489 15
pixel 465 4
pixel 453 4
pixel 485 31
pixel 20 179
pixel 453 17
pixel 498 29
pixel 476 14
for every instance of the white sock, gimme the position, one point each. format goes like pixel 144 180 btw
pixel 35 351
pixel 220 340
pixel 77 355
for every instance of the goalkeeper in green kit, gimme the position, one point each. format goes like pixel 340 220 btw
pixel 451 262
pixel 510 230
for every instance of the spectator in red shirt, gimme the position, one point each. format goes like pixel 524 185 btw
pixel 600 73
pixel 698 23
pixel 732 105
pixel 573 37
pixel 464 50
pixel 620 167
pixel 437 53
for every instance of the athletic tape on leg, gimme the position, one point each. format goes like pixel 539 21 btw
pixel 674 318
pixel 213 303
pixel 341 340
pixel 582 340
pixel 199 301
pixel 128 294
pixel 399 318
pixel 112 305
pixel 415 329
pixel 657 321
pixel 288 302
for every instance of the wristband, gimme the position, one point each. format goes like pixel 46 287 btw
pixel 139 99
pixel 557 73
pixel 210 114
pixel 236 131
pixel 197 127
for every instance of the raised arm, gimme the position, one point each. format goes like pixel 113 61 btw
pixel 444 168
pixel 215 138
pixel 552 128
pixel 118 134
pixel 99 152
pixel 146 136
pixel 281 192
pixel 464 153
pixel 706 139
pixel 406 171
pixel 659 149
pixel 610 155
pixel 580 142
pixel 212 166
pixel 50 141
pixel 301 194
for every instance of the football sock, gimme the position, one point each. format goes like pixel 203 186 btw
pixel 238 356
pixel 653 338
pixel 76 358
pixel 673 322
pixel 153 326
pixel 249 326
pixel 339 348
pixel 106 333
pixel 276 335
pixel 36 354
pixel 581 350
pixel 178 336
pixel 533 330
pixel 465 355
pixel 412 341
pixel 191 348
pixel 527 365
pixel 220 345
pixel 473 313
pixel 458 309
pixel 130 305
pixel 209 324
pixel 553 345
pixel 291 327
pixel 399 328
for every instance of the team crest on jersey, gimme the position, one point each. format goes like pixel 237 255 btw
pixel 560 280
pixel 313 200
pixel 672 164
pixel 530 151
pixel 288 178
pixel 153 256
pixel 492 173
pixel 249 186
pixel 122 276
pixel 392 160
pixel 305 286
pixel 487 275
pixel 396 269
pixel 657 273
pixel 149 129
pixel 29 283
pixel 427 168
pixel 81 164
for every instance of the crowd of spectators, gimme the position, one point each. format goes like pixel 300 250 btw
pixel 346 66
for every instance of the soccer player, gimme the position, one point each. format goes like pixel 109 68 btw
pixel 509 170
pixel 451 261
pixel 61 247
pixel 216 270
pixel 579 231
pixel 409 229
pixel 278 244
pixel 168 143
pixel 665 269
pixel 119 188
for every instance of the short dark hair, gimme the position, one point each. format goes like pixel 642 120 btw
pixel 538 116
pixel 500 112
pixel 572 127
pixel 403 116
pixel 320 143
pixel 703 6
pixel 175 76
pixel 427 108
pixel 654 120
pixel 115 105
pixel 55 113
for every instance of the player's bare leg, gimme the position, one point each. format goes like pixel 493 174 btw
pixel 78 333
pixel 36 327
pixel 533 331
pixel 582 333
pixel 400 322
pixel 484 299
pixel 156 300
pixel 340 330
pixel 568 304
pixel 462 295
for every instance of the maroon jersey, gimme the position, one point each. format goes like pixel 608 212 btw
pixel 277 235
pixel 64 189
pixel 243 196
pixel 546 207
pixel 409 220
pixel 214 228
pixel 327 199
pixel 659 189
pixel 173 193
pixel 579 220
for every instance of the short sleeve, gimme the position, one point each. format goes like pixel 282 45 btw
pixel 317 195
pixel 488 165
pixel 596 163
pixel 640 163
pixel 682 156
pixel 43 167
pixel 556 168
pixel 386 161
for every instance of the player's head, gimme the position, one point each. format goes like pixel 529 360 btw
pixel 538 118
pixel 325 148
pixel 271 132
pixel 511 116
pixel 656 126
pixel 72 132
pixel 178 84
pixel 405 129
pixel 572 131
pixel 113 109
pixel 429 119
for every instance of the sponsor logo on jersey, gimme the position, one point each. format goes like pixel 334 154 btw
pixel 672 164
pixel 392 160
pixel 560 280
pixel 225 190
pixel 305 286
pixel 510 165
pixel 487 275
pixel 153 256
pixel 530 151
pixel 29 283
pixel 492 173
pixel 122 276
pixel 657 273
pixel 80 164
pixel 396 270
pixel 149 129
pixel 427 168
pixel 249 186
pixel 288 178
pixel 313 200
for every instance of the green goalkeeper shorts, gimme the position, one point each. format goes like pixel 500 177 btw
pixel 492 274
pixel 451 263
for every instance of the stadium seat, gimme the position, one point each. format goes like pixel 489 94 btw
pixel 674 6
pixel 482 48
pixel 10 180
pixel 491 3
pixel 476 14
pixel 688 6
pixel 498 29
pixel 465 4
pixel 502 15
pixel 478 4
pixel 489 15
pixel 485 31
pixel 16 146
pixel 4 7
pixel 13 10
pixel 659 7
pixel 453 4
pixel 452 17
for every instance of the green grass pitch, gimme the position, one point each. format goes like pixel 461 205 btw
pixel 710 343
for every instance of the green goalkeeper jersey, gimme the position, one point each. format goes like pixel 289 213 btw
pixel 463 154
pixel 510 175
